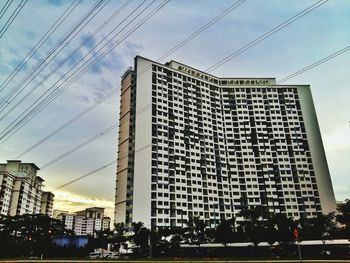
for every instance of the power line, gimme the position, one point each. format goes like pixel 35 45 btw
pixel 17 124
pixel 99 169
pixel 79 47
pixel 90 140
pixel 39 44
pixel 5 7
pixel 179 45
pixel 65 60
pixel 317 63
pixel 198 31
pixel 267 34
pixel 104 132
pixel 53 88
pixel 207 25
pixel 71 33
pixel 85 175
pixel 12 17
pixel 62 43
pixel 66 124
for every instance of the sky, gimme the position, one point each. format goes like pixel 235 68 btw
pixel 318 34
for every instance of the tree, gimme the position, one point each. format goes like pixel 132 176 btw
pixel 253 226
pixel 344 218
pixel 28 234
pixel 119 235
pixel 322 227
pixel 225 231
pixel 280 228
pixel 195 232
pixel 101 238
pixel 141 234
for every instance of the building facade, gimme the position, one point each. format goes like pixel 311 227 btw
pixel 193 144
pixel 21 189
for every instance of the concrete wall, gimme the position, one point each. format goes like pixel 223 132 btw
pixel 123 150
pixel 318 156
pixel 143 139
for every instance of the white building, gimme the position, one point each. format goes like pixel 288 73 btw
pixel 193 144
pixel 21 189
pixel 6 188
pixel 106 223
pixel 68 219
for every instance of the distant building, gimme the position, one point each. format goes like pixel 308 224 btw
pixel 85 222
pixel 195 144
pixel 68 220
pixel 47 203
pixel 21 189
pixel 106 223
pixel 57 213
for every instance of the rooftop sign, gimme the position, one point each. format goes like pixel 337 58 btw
pixel 228 81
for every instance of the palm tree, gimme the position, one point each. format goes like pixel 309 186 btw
pixel 119 235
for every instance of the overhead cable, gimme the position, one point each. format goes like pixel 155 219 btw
pixel 267 34
pixel 12 17
pixel 20 121
pixel 39 44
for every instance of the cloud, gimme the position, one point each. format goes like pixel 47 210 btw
pixel 57 2
pixel 132 46
pixel 89 42
pixel 73 202
pixel 73 58
pixel 338 140
pixel 6 148
pixel 109 63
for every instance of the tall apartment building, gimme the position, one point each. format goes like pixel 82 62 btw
pixel 194 144
pixel 21 189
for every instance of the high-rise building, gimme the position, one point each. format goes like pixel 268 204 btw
pixel 194 144
pixel 21 190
